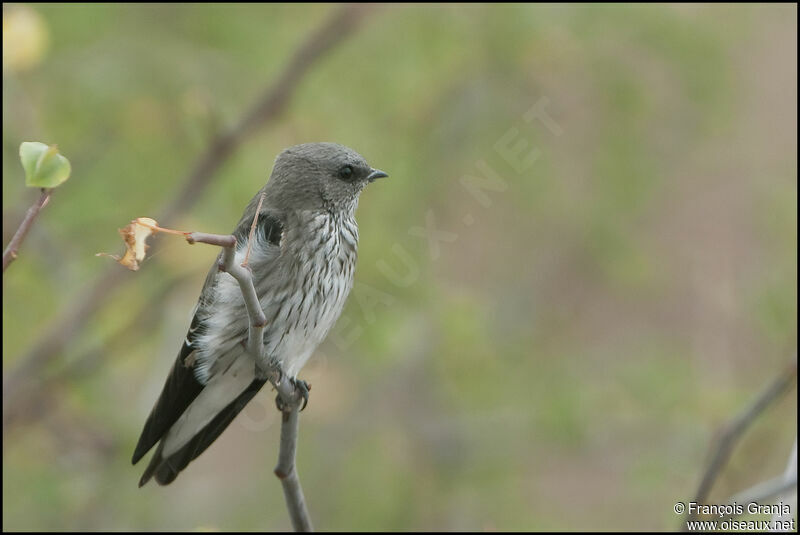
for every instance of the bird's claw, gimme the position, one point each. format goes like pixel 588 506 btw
pixel 301 386
pixel 304 388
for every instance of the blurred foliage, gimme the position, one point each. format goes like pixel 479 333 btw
pixel 560 363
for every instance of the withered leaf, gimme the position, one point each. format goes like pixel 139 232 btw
pixel 135 235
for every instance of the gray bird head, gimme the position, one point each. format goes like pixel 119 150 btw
pixel 319 176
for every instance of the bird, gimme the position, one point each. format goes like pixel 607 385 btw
pixel 303 259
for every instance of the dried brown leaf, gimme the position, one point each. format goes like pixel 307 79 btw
pixel 135 236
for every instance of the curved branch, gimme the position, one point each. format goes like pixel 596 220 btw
pixel 790 472
pixel 733 430
pixel 286 470
pixel 10 253
pixel 766 490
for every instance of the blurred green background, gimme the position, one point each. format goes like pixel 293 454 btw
pixel 559 360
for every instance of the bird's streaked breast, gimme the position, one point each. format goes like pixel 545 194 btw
pixel 302 287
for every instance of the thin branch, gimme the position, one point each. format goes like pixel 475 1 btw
pixel 243 275
pixel 253 228
pixel 11 251
pixel 730 434
pixel 766 490
pixel 226 241
pixel 787 497
pixel 762 493
pixel 339 25
pixel 286 470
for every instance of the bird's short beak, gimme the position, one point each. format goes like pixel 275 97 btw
pixel 375 175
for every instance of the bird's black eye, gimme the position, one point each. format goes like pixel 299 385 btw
pixel 346 172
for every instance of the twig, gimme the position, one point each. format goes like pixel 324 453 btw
pixel 759 494
pixel 273 102
pixel 11 251
pixel 762 493
pixel 286 469
pixel 732 432
pixel 253 229
pixel 788 497
pixel 766 490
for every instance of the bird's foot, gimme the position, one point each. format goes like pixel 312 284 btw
pixel 302 387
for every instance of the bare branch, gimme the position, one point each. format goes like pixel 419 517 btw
pixel 286 469
pixel 761 494
pixel 11 251
pixel 730 434
pixel 790 495
pixel 253 228
pixel 243 275
pixel 226 241
pixel 766 490
pixel 340 24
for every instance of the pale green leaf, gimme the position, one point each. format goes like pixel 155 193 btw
pixel 44 166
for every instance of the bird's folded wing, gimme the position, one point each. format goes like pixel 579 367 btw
pixel 225 395
pixel 180 389
pixel 182 386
